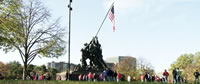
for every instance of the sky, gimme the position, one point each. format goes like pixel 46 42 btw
pixel 157 30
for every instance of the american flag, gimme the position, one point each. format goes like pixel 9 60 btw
pixel 112 17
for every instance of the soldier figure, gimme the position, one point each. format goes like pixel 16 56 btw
pixel 85 54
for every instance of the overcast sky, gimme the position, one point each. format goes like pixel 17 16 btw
pixel 156 30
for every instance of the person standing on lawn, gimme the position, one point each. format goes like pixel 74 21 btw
pixel 196 77
pixel 178 75
pixel 80 77
pixel 118 77
pixel 115 76
pixel 142 78
pixel 90 76
pixel 105 74
pixel 165 74
pixel 174 73
pixel 1 76
pixel 95 77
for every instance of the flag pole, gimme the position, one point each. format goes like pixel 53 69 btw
pixel 68 71
pixel 104 19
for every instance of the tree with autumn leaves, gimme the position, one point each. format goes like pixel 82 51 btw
pixel 129 67
pixel 188 64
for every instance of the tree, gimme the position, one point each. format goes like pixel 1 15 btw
pixel 14 70
pixel 3 69
pixel 144 66
pixel 8 7
pixel 43 68
pixel 184 60
pixel 126 66
pixel 40 69
pixel 197 59
pixel 27 29
pixel 52 72
pixel 30 68
pixel 188 63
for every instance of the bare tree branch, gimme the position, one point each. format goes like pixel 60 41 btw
pixel 31 56
pixel 32 59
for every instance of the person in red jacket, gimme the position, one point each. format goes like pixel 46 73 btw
pixel 142 78
pixel 90 76
pixel 166 74
pixel 41 77
pixel 101 77
pixel 118 77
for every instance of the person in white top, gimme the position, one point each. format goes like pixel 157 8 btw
pixel 129 78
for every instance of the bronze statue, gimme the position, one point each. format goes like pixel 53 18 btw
pixel 93 52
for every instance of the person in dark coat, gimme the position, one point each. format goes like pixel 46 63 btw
pixel 110 74
pixel 115 76
pixel 152 78
pixel 174 73
pixel 147 77
pixel 196 77
pixel 1 76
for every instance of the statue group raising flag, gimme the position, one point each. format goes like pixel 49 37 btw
pixel 92 51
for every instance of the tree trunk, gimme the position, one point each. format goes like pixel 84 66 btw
pixel 25 71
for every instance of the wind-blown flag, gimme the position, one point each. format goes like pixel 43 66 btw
pixel 112 17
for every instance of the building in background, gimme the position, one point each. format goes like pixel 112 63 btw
pixel 113 61
pixel 110 65
pixel 60 66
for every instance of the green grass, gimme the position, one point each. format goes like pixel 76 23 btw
pixel 69 82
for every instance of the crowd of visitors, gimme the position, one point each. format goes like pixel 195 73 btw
pixel 106 75
pixel 154 78
pixel 151 78
pixel 35 76
pixel 176 74
pixel 109 75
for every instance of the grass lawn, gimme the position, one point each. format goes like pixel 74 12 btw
pixel 69 82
